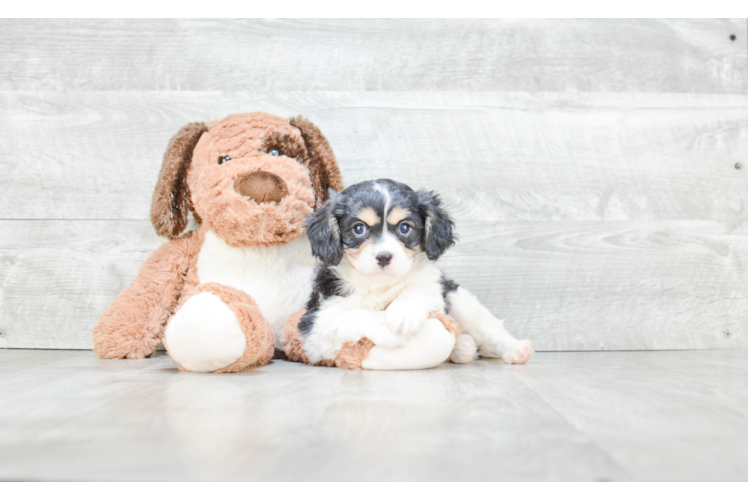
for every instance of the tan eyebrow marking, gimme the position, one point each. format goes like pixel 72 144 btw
pixel 369 216
pixel 396 215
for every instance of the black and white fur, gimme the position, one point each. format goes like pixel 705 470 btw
pixel 377 242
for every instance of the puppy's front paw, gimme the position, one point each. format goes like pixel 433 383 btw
pixel 403 320
pixel 520 353
pixel 382 336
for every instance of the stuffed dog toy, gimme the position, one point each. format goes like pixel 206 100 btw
pixel 218 296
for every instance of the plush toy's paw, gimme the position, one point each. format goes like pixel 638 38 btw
pixel 465 351
pixel 205 335
pixel 520 353
pixel 125 345
pixel 403 320
pixel 219 329
pixel 352 355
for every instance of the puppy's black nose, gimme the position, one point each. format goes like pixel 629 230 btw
pixel 384 258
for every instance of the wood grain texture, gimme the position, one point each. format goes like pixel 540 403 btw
pixel 590 55
pixel 493 156
pixel 285 421
pixel 651 416
pixel 565 286
pixel 57 277
pixel 589 163
pixel 661 416
pixel 610 285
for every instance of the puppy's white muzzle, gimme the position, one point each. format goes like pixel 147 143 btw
pixel 386 257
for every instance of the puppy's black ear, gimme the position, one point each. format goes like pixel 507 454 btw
pixel 324 233
pixel 438 227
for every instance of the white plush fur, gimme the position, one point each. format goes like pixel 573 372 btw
pixel 488 331
pixel 204 335
pixel 408 300
pixel 428 348
pixel 278 278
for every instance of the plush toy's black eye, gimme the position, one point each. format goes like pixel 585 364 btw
pixel 275 152
pixel 359 229
pixel 404 229
pixel 223 159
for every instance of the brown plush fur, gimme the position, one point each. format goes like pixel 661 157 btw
pixel 262 187
pixel 253 324
pixel 133 324
pixel 292 345
pixel 323 168
pixel 171 198
pixel 191 179
pixel 260 337
pixel 240 221
pixel 290 341
pixel 288 146
pixel 352 354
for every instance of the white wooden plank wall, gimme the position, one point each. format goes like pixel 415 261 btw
pixel 590 164
pixel 643 55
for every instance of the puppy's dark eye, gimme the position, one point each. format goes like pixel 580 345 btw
pixel 223 159
pixel 359 229
pixel 274 152
pixel 404 229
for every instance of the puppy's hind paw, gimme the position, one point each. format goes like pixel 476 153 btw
pixel 465 351
pixel 520 353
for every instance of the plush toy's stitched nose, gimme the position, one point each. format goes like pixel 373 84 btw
pixel 261 187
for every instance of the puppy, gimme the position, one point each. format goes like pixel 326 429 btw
pixel 377 242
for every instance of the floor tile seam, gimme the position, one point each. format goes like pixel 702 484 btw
pixel 631 476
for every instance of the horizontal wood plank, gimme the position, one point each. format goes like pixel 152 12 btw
pixel 564 285
pixel 589 55
pixel 494 156
pixel 589 163
pixel 616 285
pixel 57 277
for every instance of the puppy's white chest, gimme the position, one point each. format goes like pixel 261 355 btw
pixel 277 278
pixel 377 298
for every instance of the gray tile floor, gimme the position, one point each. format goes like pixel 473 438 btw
pixel 674 415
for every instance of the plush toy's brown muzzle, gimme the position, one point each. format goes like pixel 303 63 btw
pixel 261 187
pixel 251 178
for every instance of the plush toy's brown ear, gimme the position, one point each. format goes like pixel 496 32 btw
pixel 323 168
pixel 171 199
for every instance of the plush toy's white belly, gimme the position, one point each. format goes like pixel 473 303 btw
pixel 278 278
